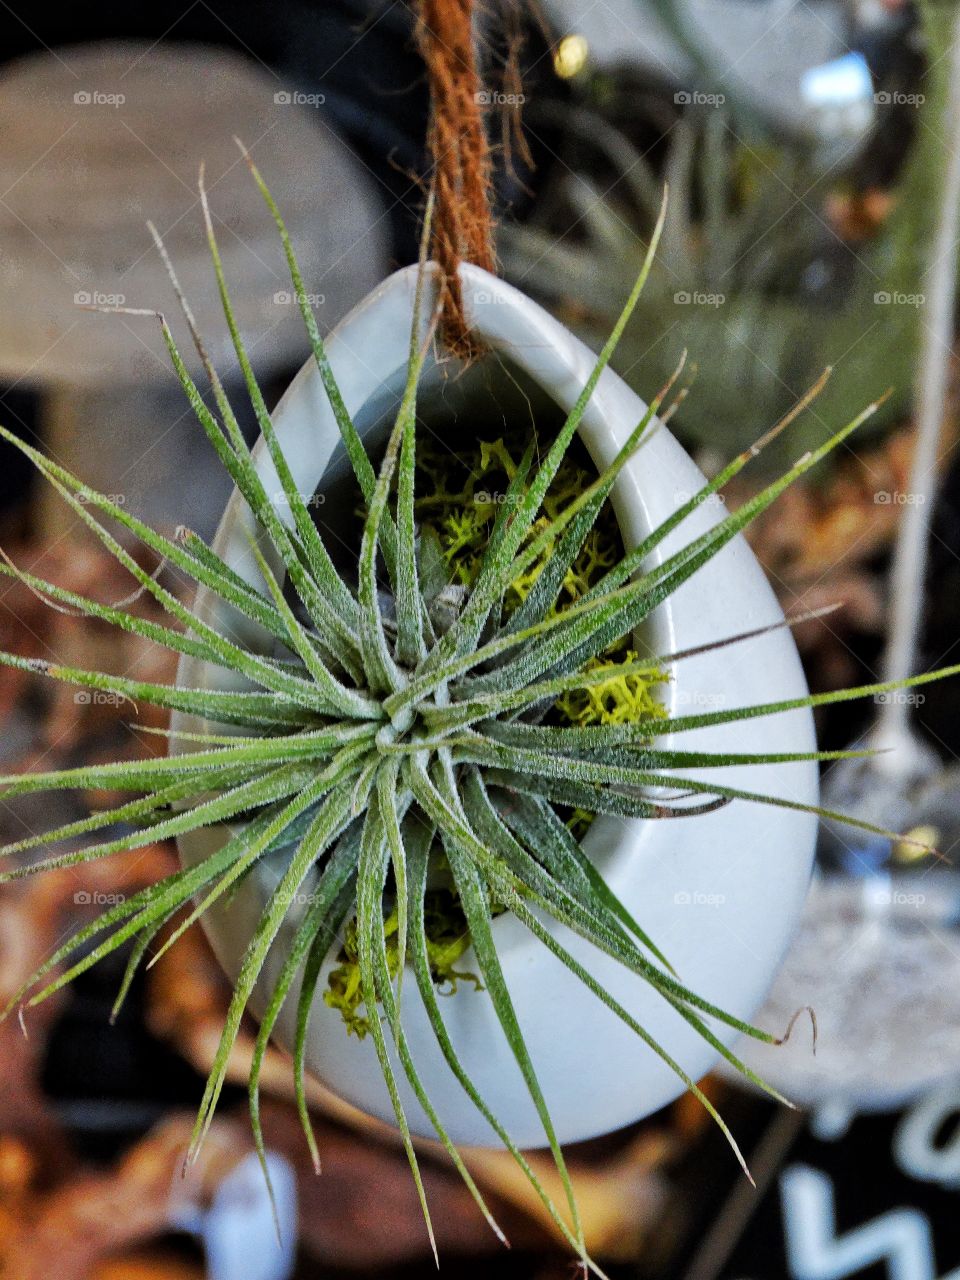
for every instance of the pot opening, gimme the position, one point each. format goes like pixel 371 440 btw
pixel 463 414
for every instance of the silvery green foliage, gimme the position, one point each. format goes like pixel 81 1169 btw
pixel 374 743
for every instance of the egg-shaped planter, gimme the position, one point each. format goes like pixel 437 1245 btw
pixel 720 893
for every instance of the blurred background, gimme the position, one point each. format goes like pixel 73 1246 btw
pixel 807 144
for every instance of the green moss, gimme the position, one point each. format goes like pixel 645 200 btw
pixel 447 939
pixel 617 700
pixel 464 494
pixel 461 497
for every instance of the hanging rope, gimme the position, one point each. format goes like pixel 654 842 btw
pixel 462 219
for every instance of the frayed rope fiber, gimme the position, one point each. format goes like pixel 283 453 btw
pixel 462 222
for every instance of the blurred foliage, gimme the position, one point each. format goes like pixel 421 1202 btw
pixel 771 266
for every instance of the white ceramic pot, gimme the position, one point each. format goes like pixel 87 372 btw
pixel 720 893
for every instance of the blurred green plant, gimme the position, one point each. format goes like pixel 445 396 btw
pixel 750 276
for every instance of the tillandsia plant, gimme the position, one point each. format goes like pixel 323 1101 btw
pixel 395 728
pixel 747 258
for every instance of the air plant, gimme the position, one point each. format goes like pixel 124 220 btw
pixel 748 257
pixel 377 739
